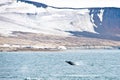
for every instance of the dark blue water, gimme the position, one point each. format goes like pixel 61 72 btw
pixel 93 65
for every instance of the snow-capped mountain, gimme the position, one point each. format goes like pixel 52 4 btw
pixel 36 17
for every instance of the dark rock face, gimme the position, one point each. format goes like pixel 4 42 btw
pixel 110 22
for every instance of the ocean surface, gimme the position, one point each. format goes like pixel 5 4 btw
pixel 90 65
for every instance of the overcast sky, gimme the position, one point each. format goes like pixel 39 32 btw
pixel 81 3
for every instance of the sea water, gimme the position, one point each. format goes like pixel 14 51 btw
pixel 93 65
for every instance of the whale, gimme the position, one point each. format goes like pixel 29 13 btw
pixel 71 63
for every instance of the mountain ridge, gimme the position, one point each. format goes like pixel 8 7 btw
pixel 78 3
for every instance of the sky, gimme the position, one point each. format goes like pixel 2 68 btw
pixel 81 3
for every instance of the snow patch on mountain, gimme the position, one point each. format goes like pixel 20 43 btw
pixel 101 15
pixel 21 7
pixel 20 16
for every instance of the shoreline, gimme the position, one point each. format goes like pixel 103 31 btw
pixel 11 49
pixel 41 42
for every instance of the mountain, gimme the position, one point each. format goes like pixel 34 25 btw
pixel 23 17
